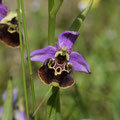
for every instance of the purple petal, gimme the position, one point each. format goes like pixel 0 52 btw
pixel 20 115
pixel 3 11
pixel 1 111
pixel 15 93
pixel 67 39
pixel 41 55
pixel 79 63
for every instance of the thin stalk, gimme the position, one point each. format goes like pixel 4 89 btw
pixel 43 100
pixel 28 55
pixel 22 59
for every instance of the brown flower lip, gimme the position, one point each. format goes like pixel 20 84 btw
pixel 9 30
pixel 10 39
pixel 62 79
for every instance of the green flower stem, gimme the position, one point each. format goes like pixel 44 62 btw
pixel 22 59
pixel 53 105
pixel 51 30
pixel 28 55
pixel 53 7
pixel 56 7
pixel 51 23
pixel 53 108
pixel 58 110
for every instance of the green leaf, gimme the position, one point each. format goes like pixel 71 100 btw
pixel 53 105
pixel 8 104
pixel 80 18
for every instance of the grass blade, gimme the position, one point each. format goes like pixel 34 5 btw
pixel 22 58
pixel 28 56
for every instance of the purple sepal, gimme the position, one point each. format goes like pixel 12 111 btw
pixel 20 115
pixel 15 93
pixel 79 63
pixel 1 111
pixel 3 11
pixel 67 39
pixel 41 55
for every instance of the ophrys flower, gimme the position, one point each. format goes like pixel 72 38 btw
pixel 8 26
pixel 19 114
pixel 60 61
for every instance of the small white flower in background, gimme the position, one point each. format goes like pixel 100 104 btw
pixel 35 5
pixel 82 4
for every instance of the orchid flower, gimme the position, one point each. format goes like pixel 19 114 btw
pixel 3 10
pixel 18 114
pixel 60 61
pixel 8 26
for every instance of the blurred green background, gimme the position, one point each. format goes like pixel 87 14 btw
pixel 95 96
